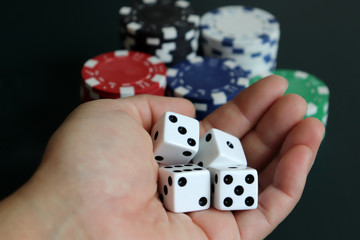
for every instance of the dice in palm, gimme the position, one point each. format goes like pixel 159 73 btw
pixel 234 187
pixel 184 187
pixel 175 138
pixel 218 148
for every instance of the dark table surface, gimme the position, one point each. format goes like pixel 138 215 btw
pixel 45 43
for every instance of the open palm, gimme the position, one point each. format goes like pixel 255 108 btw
pixel 98 178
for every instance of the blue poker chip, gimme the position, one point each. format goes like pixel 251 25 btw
pixel 207 82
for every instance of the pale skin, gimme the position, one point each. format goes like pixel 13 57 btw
pixel 98 177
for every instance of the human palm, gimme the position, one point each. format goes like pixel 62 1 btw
pixel 98 178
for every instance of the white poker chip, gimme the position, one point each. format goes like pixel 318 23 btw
pixel 237 25
pixel 248 35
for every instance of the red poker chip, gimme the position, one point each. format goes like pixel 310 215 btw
pixel 89 95
pixel 124 73
pixel 158 92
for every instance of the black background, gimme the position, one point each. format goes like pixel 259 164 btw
pixel 44 44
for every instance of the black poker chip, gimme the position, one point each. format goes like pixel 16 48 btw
pixel 164 19
pixel 167 29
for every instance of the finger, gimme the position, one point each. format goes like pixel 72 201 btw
pixel 238 116
pixel 285 180
pixel 216 224
pixel 307 133
pixel 151 108
pixel 145 109
pixel 262 143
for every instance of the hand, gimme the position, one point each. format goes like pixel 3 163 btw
pixel 98 177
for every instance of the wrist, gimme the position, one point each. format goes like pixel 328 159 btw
pixel 36 212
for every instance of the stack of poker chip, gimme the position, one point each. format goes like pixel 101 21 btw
pixel 312 89
pixel 122 73
pixel 168 29
pixel 207 82
pixel 247 34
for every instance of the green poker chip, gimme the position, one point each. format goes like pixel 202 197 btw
pixel 313 90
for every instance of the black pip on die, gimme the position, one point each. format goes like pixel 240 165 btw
pixel 175 138
pixel 184 187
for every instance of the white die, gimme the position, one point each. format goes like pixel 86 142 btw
pixel 234 187
pixel 175 138
pixel 218 148
pixel 184 187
